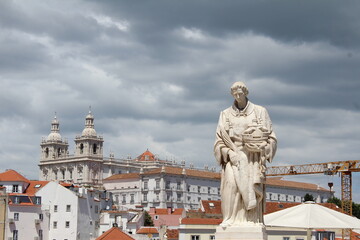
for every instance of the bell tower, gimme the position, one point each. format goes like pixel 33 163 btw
pixel 89 144
pixel 53 146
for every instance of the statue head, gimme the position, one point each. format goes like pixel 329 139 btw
pixel 239 91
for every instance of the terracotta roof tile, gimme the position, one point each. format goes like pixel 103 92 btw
pixel 172 234
pixel 12 176
pixel 211 206
pixel 122 176
pixel 164 211
pixel 35 186
pixel 201 221
pixel 146 156
pixel 114 233
pixel 277 206
pixel 188 172
pixel 147 230
pixel 279 182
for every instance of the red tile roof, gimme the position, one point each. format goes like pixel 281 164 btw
pixel 122 176
pixel 164 211
pixel 12 176
pixel 201 221
pixel 172 234
pixel 147 230
pixel 277 206
pixel 211 206
pixel 188 172
pixel 146 156
pixel 279 182
pixel 35 186
pixel 114 233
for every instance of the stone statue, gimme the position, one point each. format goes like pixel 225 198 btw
pixel 244 142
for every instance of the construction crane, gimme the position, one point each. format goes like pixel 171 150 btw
pixel 344 168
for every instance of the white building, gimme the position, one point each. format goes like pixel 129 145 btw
pixel 280 190
pixel 164 187
pixel 75 212
pixel 87 166
pixel 24 218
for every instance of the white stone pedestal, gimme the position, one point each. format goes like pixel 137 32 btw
pixel 241 233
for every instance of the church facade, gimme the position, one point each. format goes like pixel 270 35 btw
pixel 88 166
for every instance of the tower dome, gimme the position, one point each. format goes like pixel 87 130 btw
pixel 54 134
pixel 89 130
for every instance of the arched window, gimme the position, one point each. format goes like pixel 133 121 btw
pixel 94 148
pixel 46 152
pixel 81 148
pixel 59 152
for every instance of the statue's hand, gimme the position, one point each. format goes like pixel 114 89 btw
pixel 236 157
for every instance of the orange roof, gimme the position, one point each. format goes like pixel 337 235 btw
pixel 147 230
pixel 35 186
pixel 146 156
pixel 201 221
pixel 279 182
pixel 164 211
pixel 172 234
pixel 188 172
pixel 277 206
pixel 114 233
pixel 211 206
pixel 123 176
pixel 12 176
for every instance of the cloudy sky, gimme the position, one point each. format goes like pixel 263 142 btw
pixel 157 73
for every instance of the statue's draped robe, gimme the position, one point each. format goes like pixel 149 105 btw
pixel 250 173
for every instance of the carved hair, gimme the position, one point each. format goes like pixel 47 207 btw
pixel 241 85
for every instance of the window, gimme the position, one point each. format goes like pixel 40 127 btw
pixel 167 184
pixel 179 196
pixel 209 190
pixel 15 234
pixel 68 208
pixel 63 174
pixel 17 200
pixel 96 209
pixel 199 189
pixel 131 198
pixel 55 225
pixel 15 188
pixel 81 148
pixel 178 187
pixel 67 224
pixel 41 216
pixel 145 185
pixel 145 197
pixel 123 198
pixel 286 238
pixel 212 237
pixel 40 234
pixel 38 200
pixel 46 152
pixel 16 216
pixel 168 197
pixel 157 197
pixel 55 208
pixel 94 148
pixel 157 183
pixel 156 217
pixel 71 174
pixel 195 237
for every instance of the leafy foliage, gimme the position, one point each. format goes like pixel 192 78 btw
pixel 355 206
pixel 308 197
pixel 148 222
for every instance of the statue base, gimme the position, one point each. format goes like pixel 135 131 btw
pixel 241 233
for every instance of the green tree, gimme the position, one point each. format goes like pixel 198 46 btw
pixel 356 210
pixel 335 200
pixel 308 197
pixel 148 220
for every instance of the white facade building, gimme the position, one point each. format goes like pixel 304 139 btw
pixel 164 187
pixel 88 166
pixel 75 212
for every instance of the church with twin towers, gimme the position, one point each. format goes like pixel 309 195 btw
pixel 88 166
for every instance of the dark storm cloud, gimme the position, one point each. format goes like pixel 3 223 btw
pixel 156 75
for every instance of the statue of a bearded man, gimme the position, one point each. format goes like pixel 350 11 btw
pixel 244 142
